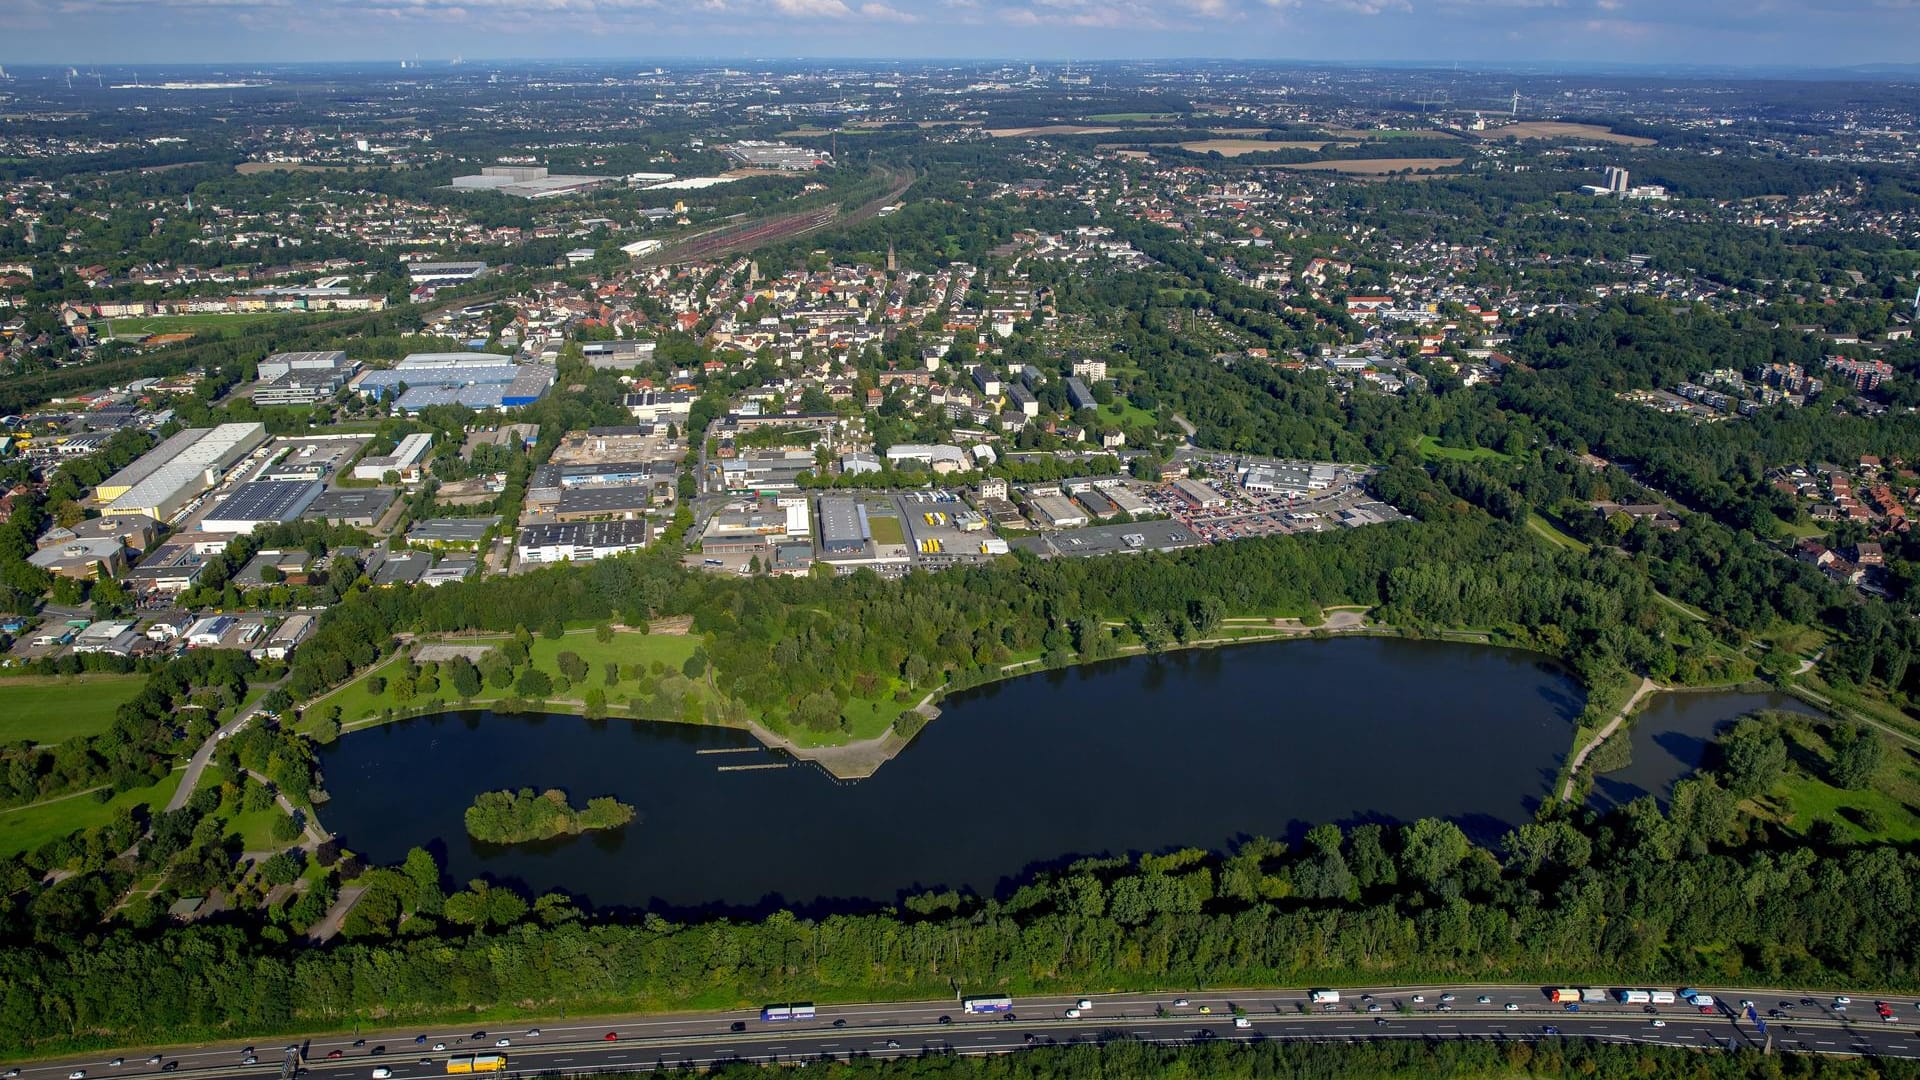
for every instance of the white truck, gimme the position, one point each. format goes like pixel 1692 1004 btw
pixel 1325 997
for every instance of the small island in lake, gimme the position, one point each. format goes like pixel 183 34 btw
pixel 514 817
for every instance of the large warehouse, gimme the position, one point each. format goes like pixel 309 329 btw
pixel 476 380
pixel 177 471
pixel 262 502
pixel 580 541
pixel 843 526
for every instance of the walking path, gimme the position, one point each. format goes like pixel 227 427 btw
pixel 1647 686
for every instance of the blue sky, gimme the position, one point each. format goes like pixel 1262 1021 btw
pixel 1805 32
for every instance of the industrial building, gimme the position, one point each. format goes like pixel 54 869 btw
pixel 285 637
pixel 660 406
pixel 85 559
pixel 441 532
pixel 1055 512
pixel 444 273
pixel 177 471
pixel 281 363
pixel 476 380
pixel 844 529
pixel 405 459
pixel 262 502
pixel 1287 478
pixel 581 541
pixel 620 501
pixel 302 378
pixel 528 182
pixel 755 154
pixel 1198 494
pixel 359 507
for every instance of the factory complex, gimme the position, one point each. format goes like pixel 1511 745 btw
pixel 168 477
pixel 474 379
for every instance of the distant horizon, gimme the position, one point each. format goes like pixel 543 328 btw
pixel 90 65
pixel 1722 34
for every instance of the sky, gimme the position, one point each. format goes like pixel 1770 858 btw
pixel 1716 32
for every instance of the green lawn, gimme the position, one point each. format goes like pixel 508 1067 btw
pixel 1430 447
pixel 30 826
pixel 54 708
pixel 1805 797
pixel 196 324
pixel 1128 415
pixel 1545 530
pixel 1121 117
pixel 671 650
pixel 886 529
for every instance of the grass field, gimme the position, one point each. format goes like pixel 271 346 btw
pixel 1546 531
pixel 357 702
pixel 1237 147
pixel 28 827
pixel 1051 129
pixel 1552 129
pixel 1127 414
pixel 1379 166
pixel 1805 797
pixel 196 324
pixel 54 708
pixel 1124 117
pixel 1429 447
pixel 886 529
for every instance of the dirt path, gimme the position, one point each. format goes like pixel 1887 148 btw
pixel 1647 686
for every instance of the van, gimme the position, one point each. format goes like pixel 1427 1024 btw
pixel 1242 1022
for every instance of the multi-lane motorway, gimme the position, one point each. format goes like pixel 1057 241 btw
pixel 1808 1023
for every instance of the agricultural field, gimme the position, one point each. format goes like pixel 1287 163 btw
pixel 55 708
pixel 27 827
pixel 1132 117
pixel 1553 129
pixel 1378 166
pixel 1237 147
pixel 1051 129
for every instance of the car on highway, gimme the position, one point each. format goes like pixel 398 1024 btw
pixel 1549 1029
pixel 358 1043
pixel 1842 1002
pixel 479 1034
pixel 893 1044
pixel 10 1074
pixel 249 1060
pixel 611 1036
pixel 1447 997
pixel 1511 1007
pixel 154 1060
pixel 837 1023
pixel 1242 1022
pixel 333 1055
pixel 439 1046
pixel 116 1063
pixel 77 1074
pixel 1206 1010
pixel 1419 999
pixel 737 1025
pixel 377 1051
pixel 1380 1021
pixel 382 1073
pixel 1374 1008
pixel 170 1066
pixel 1659 1023
pixel 533 1033
pixel 1706 1010
pixel 1484 999
pixel 503 1042
pixel 1573 1006
pixel 1443 1008
pixel 1073 1014
pixel 1179 1003
pixel 1746 1004
pixel 946 1019
pixel 1083 1003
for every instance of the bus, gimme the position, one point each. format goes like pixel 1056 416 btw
pixel 998 1004
pixel 475 1063
pixel 799 1010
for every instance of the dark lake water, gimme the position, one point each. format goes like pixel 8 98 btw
pixel 1143 754
pixel 1670 740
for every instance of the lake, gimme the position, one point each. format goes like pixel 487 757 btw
pixel 1190 749
pixel 1670 739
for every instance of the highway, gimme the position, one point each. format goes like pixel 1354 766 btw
pixel 911 1028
